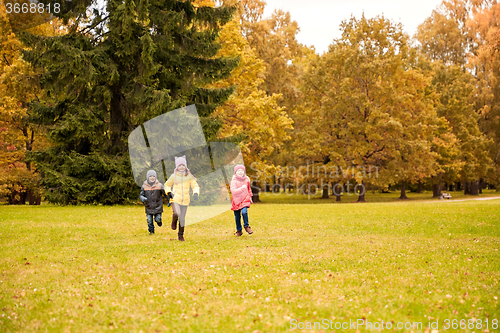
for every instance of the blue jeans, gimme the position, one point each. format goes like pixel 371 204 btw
pixel 237 217
pixel 149 217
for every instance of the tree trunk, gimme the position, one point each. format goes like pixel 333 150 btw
pixel 474 187
pixel 436 190
pixel 466 188
pixel 33 198
pixel 419 187
pixel 255 192
pixel 337 191
pixel 362 191
pixel 482 185
pixel 458 186
pixel 325 192
pixel 403 190
pixel 450 187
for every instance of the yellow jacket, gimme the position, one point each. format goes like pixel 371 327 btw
pixel 181 189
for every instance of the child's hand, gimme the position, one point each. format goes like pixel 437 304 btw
pixel 170 195
pixel 144 200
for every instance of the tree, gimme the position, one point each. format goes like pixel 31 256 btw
pixel 457 91
pixel 19 181
pixel 445 35
pixel 370 106
pixel 485 65
pixel 275 43
pixel 249 113
pixel 465 33
pixel 110 73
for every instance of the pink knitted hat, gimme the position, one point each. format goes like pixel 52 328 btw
pixel 179 161
pixel 239 166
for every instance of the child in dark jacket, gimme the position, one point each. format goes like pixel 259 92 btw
pixel 151 195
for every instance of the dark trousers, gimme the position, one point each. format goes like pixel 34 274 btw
pixel 150 217
pixel 237 217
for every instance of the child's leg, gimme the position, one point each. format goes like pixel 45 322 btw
pixel 244 212
pixel 182 215
pixel 237 218
pixel 158 219
pixel 175 216
pixel 151 226
pixel 181 211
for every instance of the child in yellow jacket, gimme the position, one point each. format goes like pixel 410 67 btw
pixel 181 180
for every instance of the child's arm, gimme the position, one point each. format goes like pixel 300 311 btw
pixel 249 188
pixel 169 183
pixel 195 186
pixel 142 195
pixel 163 192
pixel 236 190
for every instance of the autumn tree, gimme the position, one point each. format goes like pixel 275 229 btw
pixel 465 33
pixel 19 181
pixel 249 114
pixel 368 107
pixel 445 35
pixel 457 91
pixel 112 71
pixel 485 65
pixel 275 43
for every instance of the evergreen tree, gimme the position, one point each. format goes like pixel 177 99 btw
pixel 128 63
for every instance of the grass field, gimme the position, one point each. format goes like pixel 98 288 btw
pixel 92 269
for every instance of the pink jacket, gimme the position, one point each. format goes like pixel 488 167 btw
pixel 242 193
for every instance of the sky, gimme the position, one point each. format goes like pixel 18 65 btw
pixel 319 20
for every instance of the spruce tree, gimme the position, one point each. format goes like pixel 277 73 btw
pixel 128 63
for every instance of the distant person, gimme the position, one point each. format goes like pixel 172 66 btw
pixel 181 180
pixel 242 198
pixel 151 195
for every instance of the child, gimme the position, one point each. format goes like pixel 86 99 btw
pixel 182 180
pixel 151 195
pixel 242 198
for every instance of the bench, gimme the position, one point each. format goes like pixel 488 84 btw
pixel 445 196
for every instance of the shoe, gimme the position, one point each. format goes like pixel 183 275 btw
pixel 249 230
pixel 159 223
pixel 151 232
pixel 238 233
pixel 181 234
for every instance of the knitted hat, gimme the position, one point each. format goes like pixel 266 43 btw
pixel 239 166
pixel 179 161
pixel 151 173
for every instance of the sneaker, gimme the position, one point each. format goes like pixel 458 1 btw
pixel 249 230
pixel 159 223
pixel 238 233
pixel 151 232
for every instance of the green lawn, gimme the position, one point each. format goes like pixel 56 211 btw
pixel 92 269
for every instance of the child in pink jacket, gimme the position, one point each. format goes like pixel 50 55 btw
pixel 242 198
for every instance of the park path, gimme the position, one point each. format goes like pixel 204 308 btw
pixel 457 200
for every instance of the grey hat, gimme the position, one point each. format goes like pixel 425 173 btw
pixel 151 173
